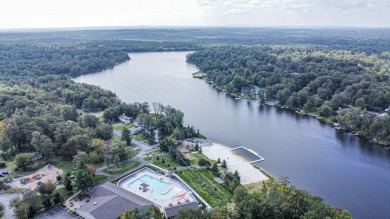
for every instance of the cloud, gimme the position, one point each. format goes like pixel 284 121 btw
pixel 297 5
pixel 235 11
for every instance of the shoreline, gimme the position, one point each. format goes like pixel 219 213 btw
pixel 319 118
pixel 234 162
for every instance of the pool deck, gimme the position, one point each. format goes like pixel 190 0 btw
pixel 174 185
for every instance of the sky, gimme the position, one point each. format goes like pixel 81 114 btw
pixel 262 13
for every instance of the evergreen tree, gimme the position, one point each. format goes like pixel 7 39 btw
pixel 57 198
pixel 82 179
pixel 224 164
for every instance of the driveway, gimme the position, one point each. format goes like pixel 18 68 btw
pixel 5 200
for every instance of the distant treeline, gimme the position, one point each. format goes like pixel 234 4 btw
pixel 362 40
pixel 57 58
pixel 73 59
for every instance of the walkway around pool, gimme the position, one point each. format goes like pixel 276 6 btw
pixel 193 191
pixel 161 190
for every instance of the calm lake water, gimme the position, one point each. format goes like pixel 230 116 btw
pixel 345 171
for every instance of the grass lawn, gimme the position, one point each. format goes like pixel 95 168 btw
pixel 139 137
pixel 202 181
pixel 10 163
pixel 195 157
pixel 99 179
pixel 154 152
pixel 123 168
pixel 120 127
pixel 66 166
pixel 64 193
pixel 325 119
pixel 134 153
pixel 116 137
pixel 168 162
pixel 131 155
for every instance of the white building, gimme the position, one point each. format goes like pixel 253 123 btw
pixel 126 120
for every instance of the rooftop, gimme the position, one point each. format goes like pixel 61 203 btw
pixel 109 201
pixel 174 210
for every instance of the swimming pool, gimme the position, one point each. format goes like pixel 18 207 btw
pixel 160 190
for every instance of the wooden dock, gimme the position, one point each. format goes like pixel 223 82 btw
pixel 252 152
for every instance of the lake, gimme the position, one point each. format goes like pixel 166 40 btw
pixel 343 169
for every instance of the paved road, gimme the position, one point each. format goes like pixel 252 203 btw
pixel 5 200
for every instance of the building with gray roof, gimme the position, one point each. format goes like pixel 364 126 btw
pixel 173 211
pixel 109 201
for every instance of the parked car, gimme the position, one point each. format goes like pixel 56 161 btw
pixel 5 172
pixel 1 175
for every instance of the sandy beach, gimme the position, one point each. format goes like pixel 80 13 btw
pixel 249 174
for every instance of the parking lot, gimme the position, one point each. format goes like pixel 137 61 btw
pixel 56 213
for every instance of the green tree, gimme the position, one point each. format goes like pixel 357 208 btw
pixel 104 131
pixel 325 110
pixel 214 169
pixel 126 136
pixel 23 160
pixel 360 102
pixel 224 164
pixel 81 155
pixel 107 158
pixel 238 82
pixel 31 211
pixel 196 147
pixel 57 198
pixel 117 160
pixel 240 194
pixel 46 188
pixel 88 121
pixel 47 202
pixel 82 180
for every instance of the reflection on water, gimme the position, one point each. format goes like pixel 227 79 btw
pixel 344 170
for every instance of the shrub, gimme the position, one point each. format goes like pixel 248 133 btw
pixel 203 162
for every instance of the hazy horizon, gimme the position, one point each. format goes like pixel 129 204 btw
pixel 23 14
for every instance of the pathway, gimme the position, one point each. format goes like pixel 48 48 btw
pixel 145 148
pixel 5 200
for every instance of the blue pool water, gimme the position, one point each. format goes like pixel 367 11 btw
pixel 159 188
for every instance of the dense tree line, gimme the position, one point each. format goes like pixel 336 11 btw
pixel 370 41
pixel 311 79
pixel 145 46
pixel 57 58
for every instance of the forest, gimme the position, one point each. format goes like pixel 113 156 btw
pixel 339 85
